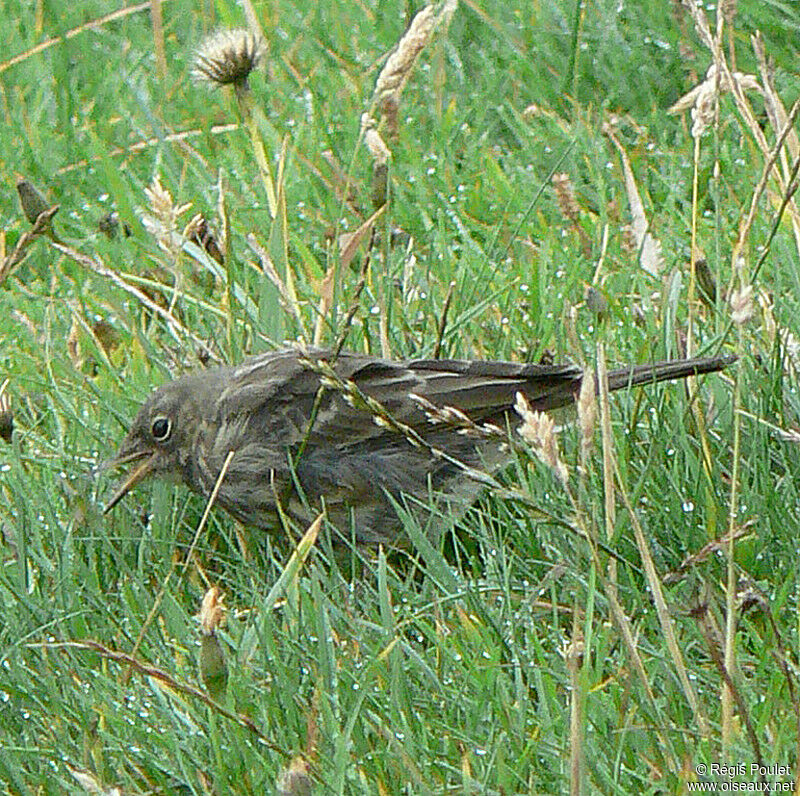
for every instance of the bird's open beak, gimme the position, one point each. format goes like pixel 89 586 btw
pixel 138 474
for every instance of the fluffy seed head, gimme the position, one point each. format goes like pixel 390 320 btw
pixel 742 309
pixel 227 57
pixel 212 611
pixel 538 430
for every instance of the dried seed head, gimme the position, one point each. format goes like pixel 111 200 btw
pixel 565 196
pixel 109 225
pixel 768 322
pixel 629 240
pixel 742 308
pixel 399 64
pixel 213 661
pixel 227 57
pixel 162 224
pixel 212 611
pixel 728 10
pixel 538 430
pixel 294 780
pixel 6 418
pixel 32 200
pixel 596 301
pixel 199 232
pixel 705 281
pixel 703 109
pixel 375 144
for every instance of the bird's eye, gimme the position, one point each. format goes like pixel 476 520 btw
pixel 161 429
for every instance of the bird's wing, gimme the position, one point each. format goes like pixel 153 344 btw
pixel 485 390
pixel 278 394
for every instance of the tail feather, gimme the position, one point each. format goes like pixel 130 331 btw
pixel 665 371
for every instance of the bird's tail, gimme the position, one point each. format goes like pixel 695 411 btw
pixel 665 371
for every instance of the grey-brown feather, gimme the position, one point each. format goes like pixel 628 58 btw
pixel 262 410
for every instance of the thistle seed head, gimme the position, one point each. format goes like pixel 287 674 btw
pixel 227 57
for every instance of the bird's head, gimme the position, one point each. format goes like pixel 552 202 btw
pixel 161 438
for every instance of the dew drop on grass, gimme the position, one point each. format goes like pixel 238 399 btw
pixel 687 506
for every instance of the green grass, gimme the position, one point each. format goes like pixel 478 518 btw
pixel 446 670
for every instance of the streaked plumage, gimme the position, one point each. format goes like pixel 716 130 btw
pixel 262 411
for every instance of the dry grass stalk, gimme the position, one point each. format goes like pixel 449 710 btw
pixel 176 328
pixel 662 610
pixel 351 393
pixel 289 305
pixel 158 38
pixel 701 23
pixel 164 678
pixel 701 100
pixel 457 420
pixel 706 110
pixel 712 642
pixel 574 660
pixel 380 161
pixel 62 38
pixel 373 141
pixel 142 145
pixel 706 551
pixel 727 9
pixel 770 170
pixel 737 84
pixel 437 348
pixel 587 413
pixel 773 105
pixel 348 246
pixel 772 330
pixel 648 246
pixel 350 241
pixel 222 216
pixel 41 226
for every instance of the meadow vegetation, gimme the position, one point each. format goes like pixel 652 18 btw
pixel 517 183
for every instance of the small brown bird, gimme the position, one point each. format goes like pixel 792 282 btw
pixel 301 433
